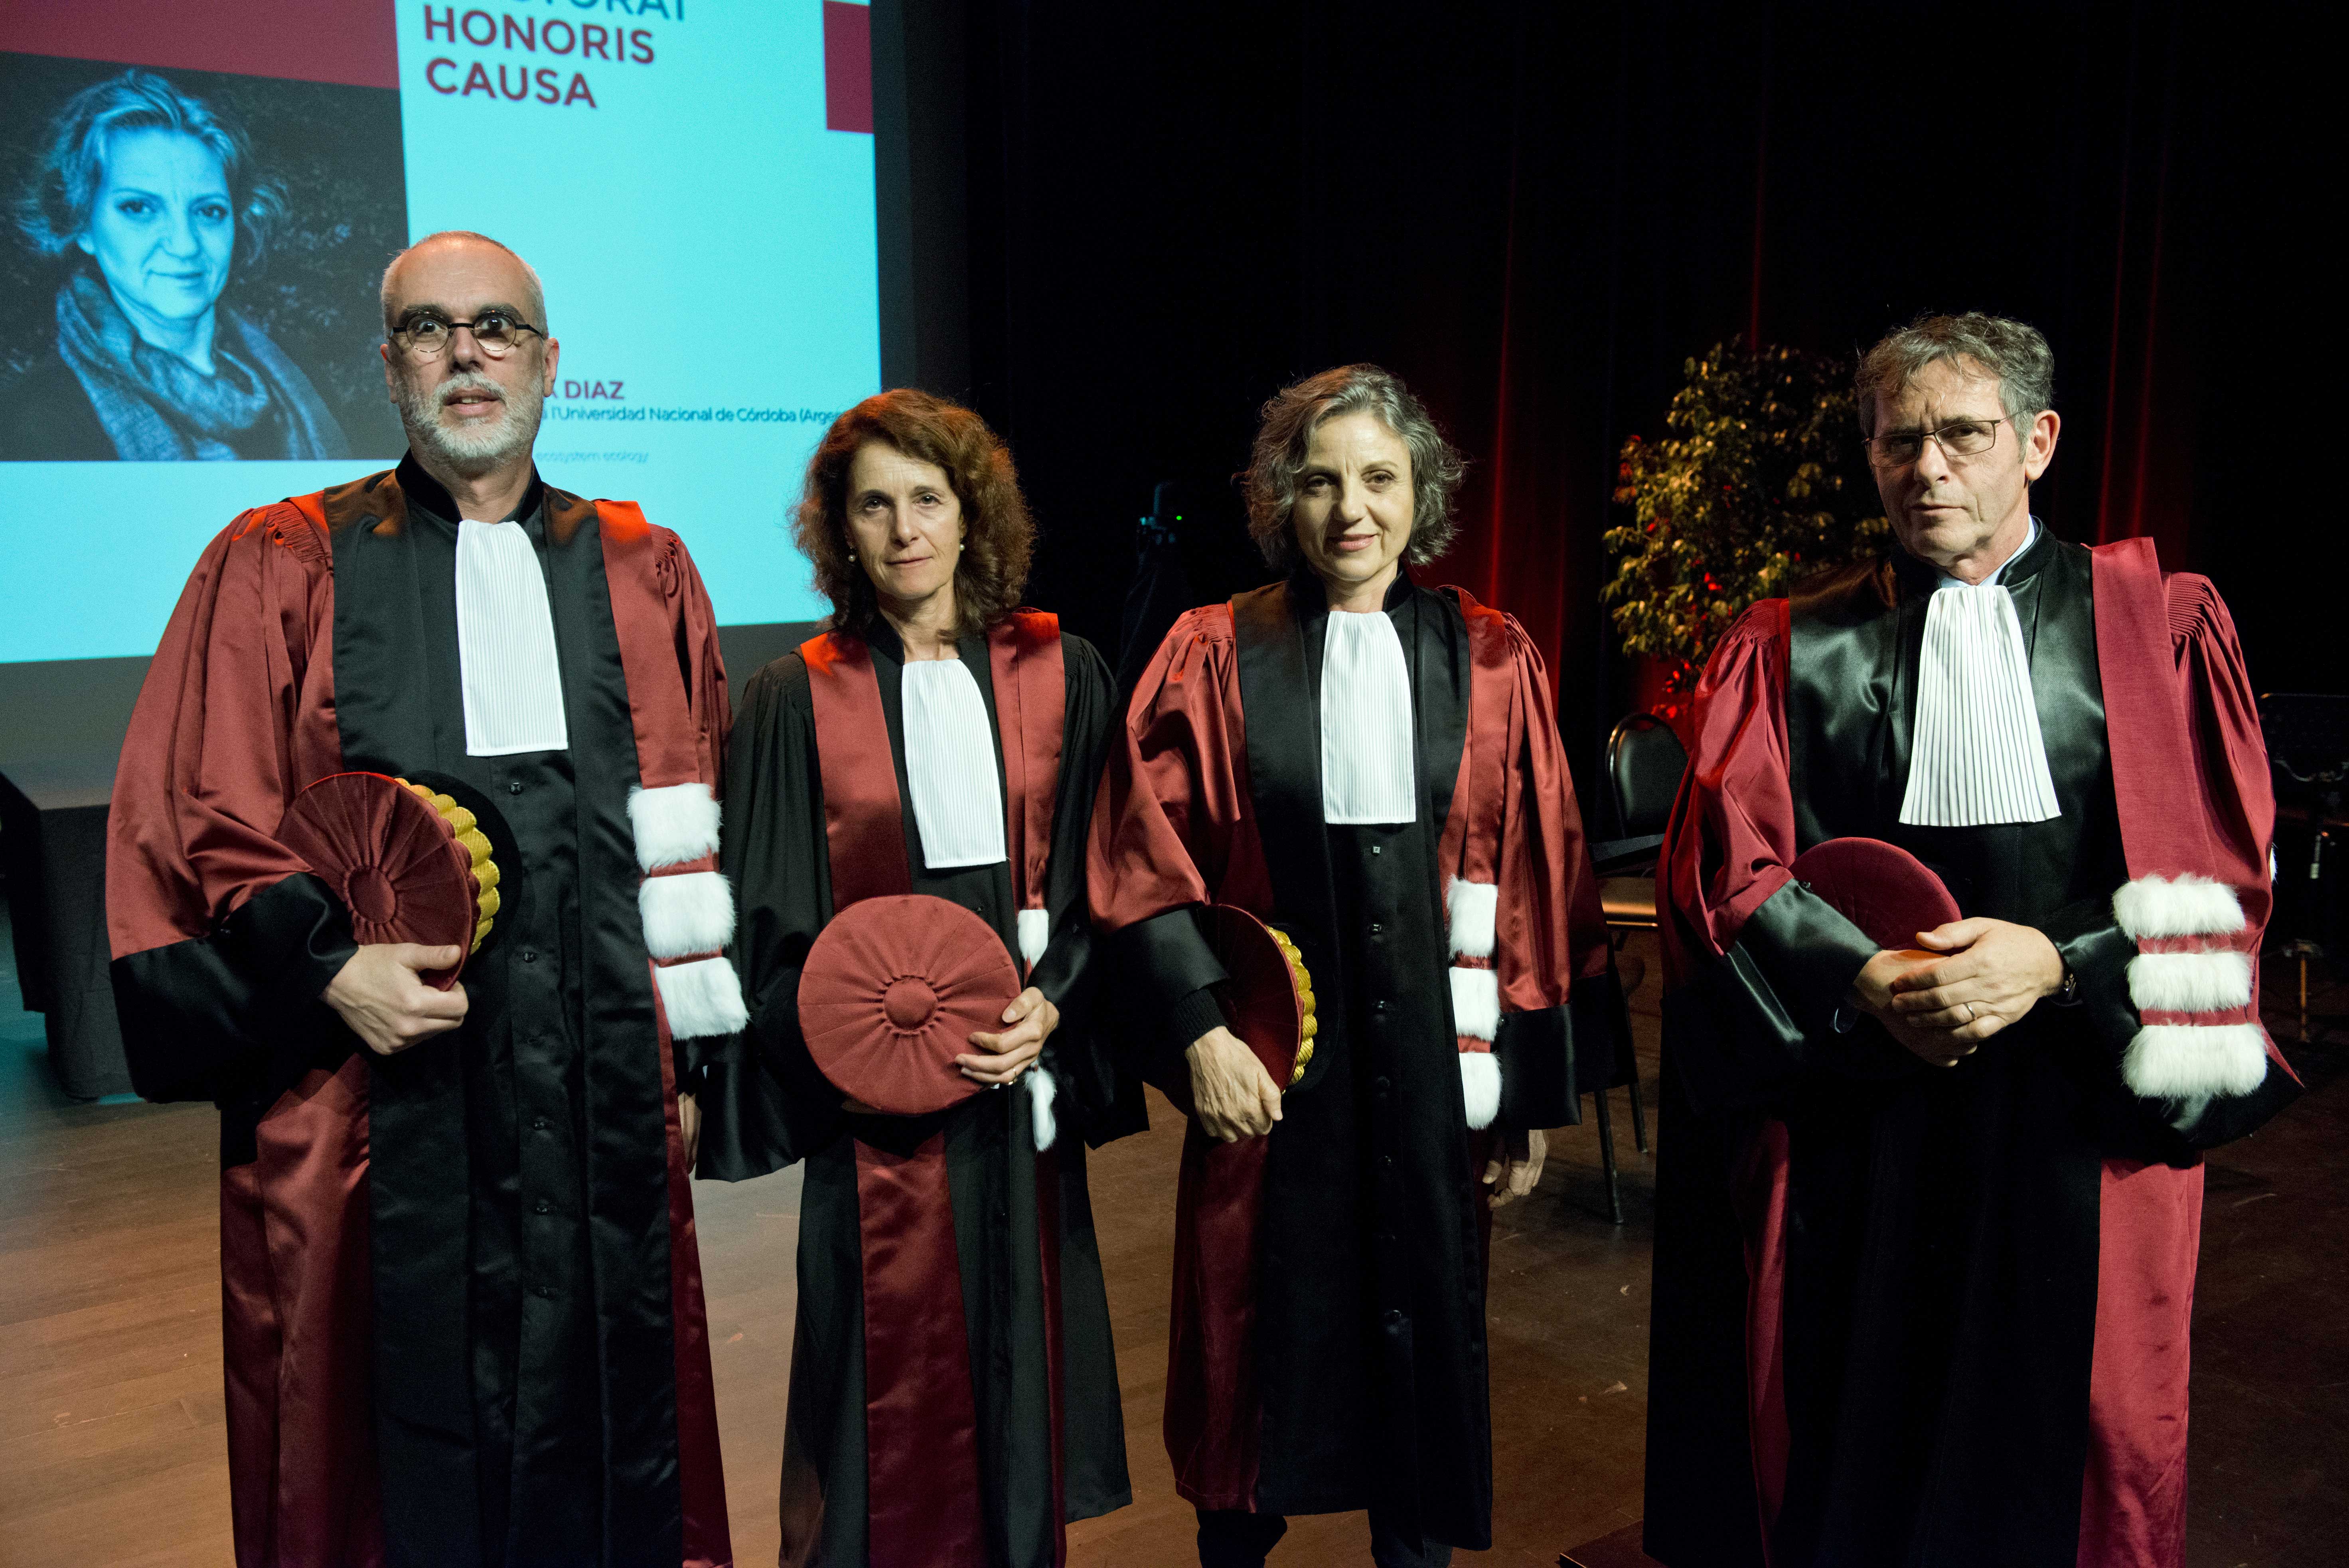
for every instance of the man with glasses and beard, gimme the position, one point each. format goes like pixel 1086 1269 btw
pixel 1928 1211
pixel 462 1308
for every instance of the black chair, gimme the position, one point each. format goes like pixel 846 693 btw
pixel 1644 764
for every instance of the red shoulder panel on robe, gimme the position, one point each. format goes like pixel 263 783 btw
pixel 1731 833
pixel 676 686
pixel 1031 695
pixel 1174 817
pixel 312 508
pixel 2190 775
pixel 864 818
pixel 700 1464
pixel 2162 831
pixel 1550 931
pixel 236 715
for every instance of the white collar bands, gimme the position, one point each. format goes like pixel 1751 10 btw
pixel 1977 756
pixel 950 767
pixel 511 678
pixel 1368 771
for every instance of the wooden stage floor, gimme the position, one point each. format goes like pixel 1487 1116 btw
pixel 110 1410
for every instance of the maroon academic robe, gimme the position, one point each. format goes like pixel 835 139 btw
pixel 1327 1336
pixel 1939 1317
pixel 462 1306
pixel 954 1391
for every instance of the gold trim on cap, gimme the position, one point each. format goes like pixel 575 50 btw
pixel 466 829
pixel 1304 983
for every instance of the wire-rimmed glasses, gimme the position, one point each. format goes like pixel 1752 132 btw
pixel 1962 438
pixel 1959 438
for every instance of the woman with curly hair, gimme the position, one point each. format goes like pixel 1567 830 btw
pixel 1372 766
pixel 146 198
pixel 954 1397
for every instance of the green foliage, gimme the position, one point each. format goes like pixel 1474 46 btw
pixel 1758 482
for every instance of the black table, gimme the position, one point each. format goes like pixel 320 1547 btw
pixel 53 843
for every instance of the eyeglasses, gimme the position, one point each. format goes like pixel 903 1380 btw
pixel 425 337
pixel 1959 438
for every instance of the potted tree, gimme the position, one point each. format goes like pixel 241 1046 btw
pixel 1758 481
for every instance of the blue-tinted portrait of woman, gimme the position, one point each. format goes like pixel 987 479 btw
pixel 145 199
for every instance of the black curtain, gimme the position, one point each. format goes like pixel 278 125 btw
pixel 1536 213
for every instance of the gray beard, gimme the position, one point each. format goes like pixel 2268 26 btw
pixel 483 447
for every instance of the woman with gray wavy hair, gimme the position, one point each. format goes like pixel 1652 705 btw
pixel 1372 767
pixel 146 197
pixel 1277 469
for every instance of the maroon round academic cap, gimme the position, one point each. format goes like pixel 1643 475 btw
pixel 1267 1001
pixel 1881 888
pixel 409 864
pixel 891 993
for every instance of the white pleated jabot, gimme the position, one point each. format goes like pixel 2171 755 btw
pixel 1977 756
pixel 506 644
pixel 950 767
pixel 1367 763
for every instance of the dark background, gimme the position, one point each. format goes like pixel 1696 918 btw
pixel 1116 231
pixel 1153 217
pixel 335 153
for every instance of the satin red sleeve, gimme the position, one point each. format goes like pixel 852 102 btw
pixel 1731 833
pixel 236 715
pixel 1550 928
pixel 698 654
pixel 1170 827
pixel 2229 752
pixel 2231 756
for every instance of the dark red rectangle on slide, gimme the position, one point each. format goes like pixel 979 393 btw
pixel 349 42
pixel 847 67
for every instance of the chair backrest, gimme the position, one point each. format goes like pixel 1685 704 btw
pixel 1644 762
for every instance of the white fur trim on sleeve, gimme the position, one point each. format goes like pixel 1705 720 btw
pixel 673 824
pixel 1476 1002
pixel 2189 982
pixel 701 998
pixel 1472 910
pixel 686 913
pixel 1480 1088
pixel 2188 906
pixel 1041 1090
pixel 2187 1061
pixel 1035 932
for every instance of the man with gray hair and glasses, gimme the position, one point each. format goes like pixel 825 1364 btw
pixel 461 1299
pixel 1928 1211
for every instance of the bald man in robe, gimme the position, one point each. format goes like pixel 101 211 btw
pixel 462 1308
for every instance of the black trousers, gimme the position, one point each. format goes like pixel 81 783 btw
pixel 1234 1540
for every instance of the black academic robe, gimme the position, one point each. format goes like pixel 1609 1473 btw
pixel 460 1283
pixel 1941 1257
pixel 1347 1369
pixel 768 1106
